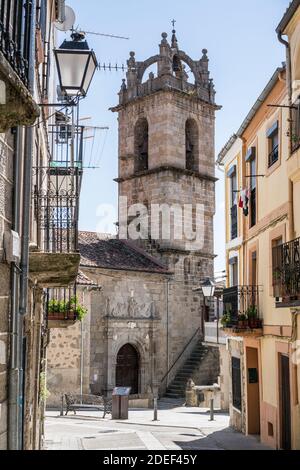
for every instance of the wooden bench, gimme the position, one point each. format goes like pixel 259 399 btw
pixel 82 402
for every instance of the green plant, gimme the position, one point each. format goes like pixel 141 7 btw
pixel 61 306
pixel 81 312
pixel 226 319
pixel 242 317
pixel 44 392
pixel 252 312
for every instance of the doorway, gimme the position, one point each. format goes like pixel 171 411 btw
pixel 127 369
pixel 285 403
pixel 253 394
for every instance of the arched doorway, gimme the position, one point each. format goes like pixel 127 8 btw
pixel 127 370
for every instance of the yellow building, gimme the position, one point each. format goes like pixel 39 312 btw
pixel 262 298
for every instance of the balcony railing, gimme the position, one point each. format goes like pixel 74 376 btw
pixel 295 137
pixel 62 307
pixel 273 156
pixel 57 190
pixel 16 34
pixel 286 272
pixel 242 302
pixel 234 222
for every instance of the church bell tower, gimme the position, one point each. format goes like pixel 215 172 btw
pixel 167 160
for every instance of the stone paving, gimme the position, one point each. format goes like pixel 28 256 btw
pixel 178 428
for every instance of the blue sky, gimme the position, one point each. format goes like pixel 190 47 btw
pixel 243 50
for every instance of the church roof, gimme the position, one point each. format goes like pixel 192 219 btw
pixel 116 254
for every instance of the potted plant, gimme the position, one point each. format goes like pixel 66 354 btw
pixel 63 309
pixel 226 320
pixel 242 321
pixel 252 316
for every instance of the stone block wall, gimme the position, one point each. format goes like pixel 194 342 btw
pixel 167 113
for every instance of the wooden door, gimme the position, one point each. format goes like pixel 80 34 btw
pixel 285 389
pixel 127 372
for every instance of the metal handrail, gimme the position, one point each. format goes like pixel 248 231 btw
pixel 180 355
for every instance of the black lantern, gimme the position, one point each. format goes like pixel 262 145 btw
pixel 76 65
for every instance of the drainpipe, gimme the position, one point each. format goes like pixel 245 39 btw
pixel 27 180
pixel 290 98
pixel 14 369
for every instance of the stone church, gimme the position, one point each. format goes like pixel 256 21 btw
pixel 144 317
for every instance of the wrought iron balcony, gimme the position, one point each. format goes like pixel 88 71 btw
pixel 16 36
pixel 295 137
pixel 241 309
pixel 56 191
pixel 286 273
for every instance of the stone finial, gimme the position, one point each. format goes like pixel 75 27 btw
pixel 131 61
pixel 151 76
pixel 204 52
pixel 174 42
pixel 164 38
pixel 123 86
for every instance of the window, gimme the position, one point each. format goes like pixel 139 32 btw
pixel 233 202
pixel 234 273
pixel 253 192
pixel 141 135
pixel 191 145
pixel 295 137
pixel 236 384
pixel 273 143
pixel 277 260
pixel 16 34
pixel 254 268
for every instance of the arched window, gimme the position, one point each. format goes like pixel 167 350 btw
pixel 141 144
pixel 191 145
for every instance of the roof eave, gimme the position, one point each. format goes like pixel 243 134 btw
pixel 290 12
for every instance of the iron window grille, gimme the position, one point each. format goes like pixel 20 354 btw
pixel 286 270
pixel 295 137
pixel 16 35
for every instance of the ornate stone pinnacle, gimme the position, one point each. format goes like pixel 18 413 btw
pixel 204 52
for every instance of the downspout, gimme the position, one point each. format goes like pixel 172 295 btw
pixel 26 215
pixel 290 102
pixel 14 366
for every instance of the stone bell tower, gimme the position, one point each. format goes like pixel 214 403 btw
pixel 167 162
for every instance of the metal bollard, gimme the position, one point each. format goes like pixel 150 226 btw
pixel 212 410
pixel 155 418
pixel 62 406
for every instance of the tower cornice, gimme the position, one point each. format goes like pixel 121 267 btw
pixel 166 168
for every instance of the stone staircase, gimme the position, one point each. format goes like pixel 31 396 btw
pixel 203 366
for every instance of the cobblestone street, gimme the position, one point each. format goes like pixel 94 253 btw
pixel 178 428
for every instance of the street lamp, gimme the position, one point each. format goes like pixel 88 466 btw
pixel 208 288
pixel 76 65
